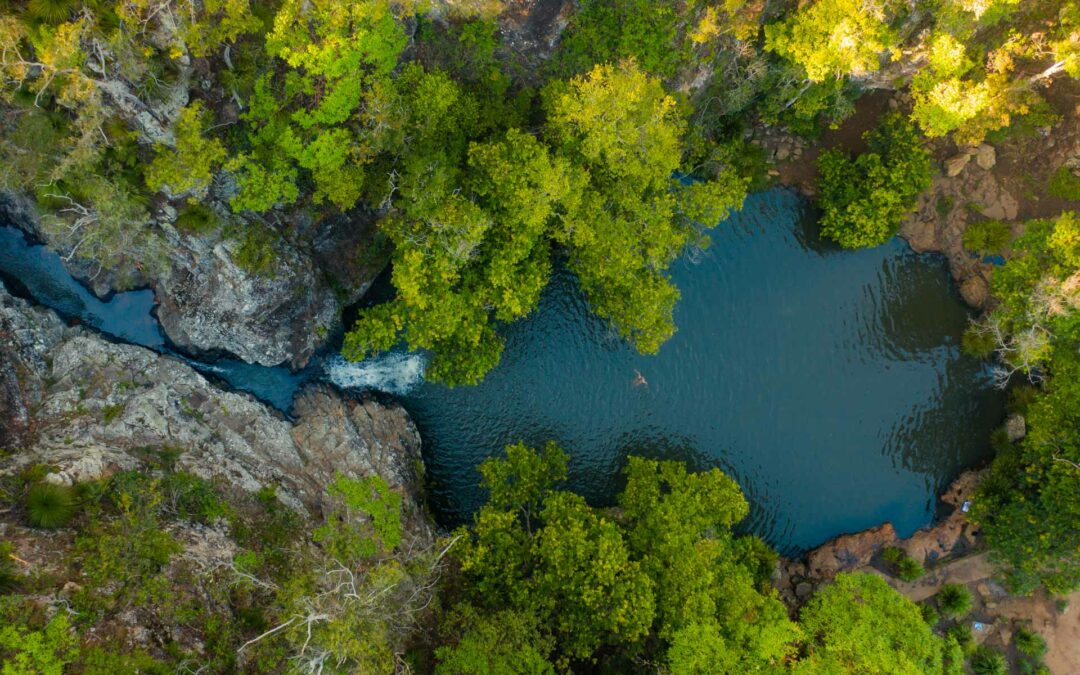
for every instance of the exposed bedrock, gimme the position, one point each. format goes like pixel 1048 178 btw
pixel 88 407
pixel 208 303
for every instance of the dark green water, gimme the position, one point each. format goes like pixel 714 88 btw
pixel 828 383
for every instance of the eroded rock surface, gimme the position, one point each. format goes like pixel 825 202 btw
pixel 90 407
pixel 210 303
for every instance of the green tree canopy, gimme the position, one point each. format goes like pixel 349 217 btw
pixel 663 571
pixel 859 624
pixel 833 38
pixel 475 216
pixel 863 200
pixel 1030 504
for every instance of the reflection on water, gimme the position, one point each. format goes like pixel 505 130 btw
pixel 828 383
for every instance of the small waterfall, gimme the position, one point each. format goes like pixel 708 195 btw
pixel 393 373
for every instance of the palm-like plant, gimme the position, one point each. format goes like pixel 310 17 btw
pixel 50 506
pixel 52 11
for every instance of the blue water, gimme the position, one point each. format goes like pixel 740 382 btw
pixel 128 317
pixel 829 383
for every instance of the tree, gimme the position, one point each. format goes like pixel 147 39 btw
pixel 662 576
pixel 633 218
pixel 833 38
pixel 474 218
pixel 864 200
pixel 859 623
pixel 460 263
pixel 332 57
pixel 679 526
pixel 493 643
pixel 1029 505
pixel 567 566
pixel 977 77
pixel 190 166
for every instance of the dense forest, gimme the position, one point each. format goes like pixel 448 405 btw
pixel 485 157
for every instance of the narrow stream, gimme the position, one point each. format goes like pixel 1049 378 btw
pixel 829 383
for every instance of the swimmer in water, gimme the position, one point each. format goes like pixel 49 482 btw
pixel 639 381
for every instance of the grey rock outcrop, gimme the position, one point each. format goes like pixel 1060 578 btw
pixel 209 303
pixel 88 407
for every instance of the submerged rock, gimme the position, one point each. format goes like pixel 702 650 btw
pixel 88 407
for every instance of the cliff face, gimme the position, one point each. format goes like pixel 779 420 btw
pixel 88 407
pixel 210 303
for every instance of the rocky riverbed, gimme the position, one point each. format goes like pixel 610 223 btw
pixel 87 407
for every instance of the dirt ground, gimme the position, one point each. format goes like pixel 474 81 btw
pixel 1001 614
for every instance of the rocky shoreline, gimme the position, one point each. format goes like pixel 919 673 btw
pixel 950 537
pixel 208 303
pixel 952 551
pixel 990 181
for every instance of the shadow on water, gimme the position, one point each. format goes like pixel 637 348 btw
pixel 828 383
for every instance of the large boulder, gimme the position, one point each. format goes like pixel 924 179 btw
pixel 848 552
pixel 208 303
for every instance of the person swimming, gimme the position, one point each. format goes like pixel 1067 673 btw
pixel 640 380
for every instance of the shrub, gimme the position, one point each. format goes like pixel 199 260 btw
pixel 190 165
pixel 909 569
pixel 978 342
pixel 864 199
pixel 111 412
pixel 608 31
pixel 48 650
pixel 1029 643
pixel 988 661
pixel 904 566
pixel 930 615
pixel 9 576
pixel 197 219
pixel 52 11
pixel 986 237
pixel 50 506
pixel 1065 185
pixel 1020 397
pixel 954 600
pixel 256 252
pixel 963 636
pixel 999 439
